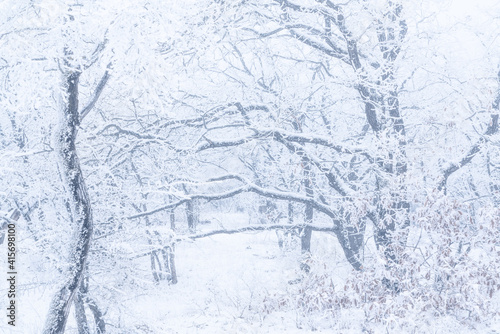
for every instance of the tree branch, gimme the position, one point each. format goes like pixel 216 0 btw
pixel 264 228
pixel 249 229
pixel 247 188
pixel 97 93
pixel 333 180
pixel 492 129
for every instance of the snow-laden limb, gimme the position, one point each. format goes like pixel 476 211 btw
pixel 258 133
pixel 309 138
pixel 220 144
pixel 280 134
pixel 248 187
pixel 210 116
pixel 251 228
pixel 290 140
pixel 329 49
pixel 333 180
pixel 120 131
pixel 476 148
pixel 265 228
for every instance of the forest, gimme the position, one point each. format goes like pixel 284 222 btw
pixel 249 166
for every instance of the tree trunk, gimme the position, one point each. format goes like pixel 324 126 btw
pixel 192 215
pixel 81 318
pixel 172 220
pixel 306 233
pixel 98 316
pixel 80 207
pixel 169 258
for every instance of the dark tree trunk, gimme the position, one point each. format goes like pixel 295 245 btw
pixel 81 318
pixel 80 207
pixel 351 238
pixel 98 316
pixel 393 162
pixel 171 215
pixel 84 298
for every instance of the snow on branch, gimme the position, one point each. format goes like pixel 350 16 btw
pixel 279 135
pixel 127 132
pixel 251 228
pixel 211 115
pixel 302 138
pixel 264 228
pixel 248 187
pixel 218 144
pixel 331 50
pixel 190 198
pixel 334 181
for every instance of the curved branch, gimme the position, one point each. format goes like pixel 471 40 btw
pixel 335 52
pixel 264 228
pixel 333 180
pixel 97 93
pixel 287 196
pixel 492 129
pixel 250 228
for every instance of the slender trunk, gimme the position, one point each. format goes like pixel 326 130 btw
pixel 494 186
pixel 290 213
pixel 84 298
pixel 98 316
pixel 192 215
pixel 81 318
pixel 305 245
pixel 172 220
pixel 169 258
pixel 80 207
pixel 154 259
pixel 306 233
pixel 493 129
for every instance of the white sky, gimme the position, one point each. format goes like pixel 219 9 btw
pixel 469 25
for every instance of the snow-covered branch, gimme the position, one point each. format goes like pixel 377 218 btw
pixel 251 228
pixel 264 228
pixel 248 187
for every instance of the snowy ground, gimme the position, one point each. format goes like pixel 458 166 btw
pixel 235 284
pixel 224 282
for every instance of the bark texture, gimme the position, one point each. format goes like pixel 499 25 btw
pixel 80 207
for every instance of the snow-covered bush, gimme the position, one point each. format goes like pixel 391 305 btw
pixel 450 269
